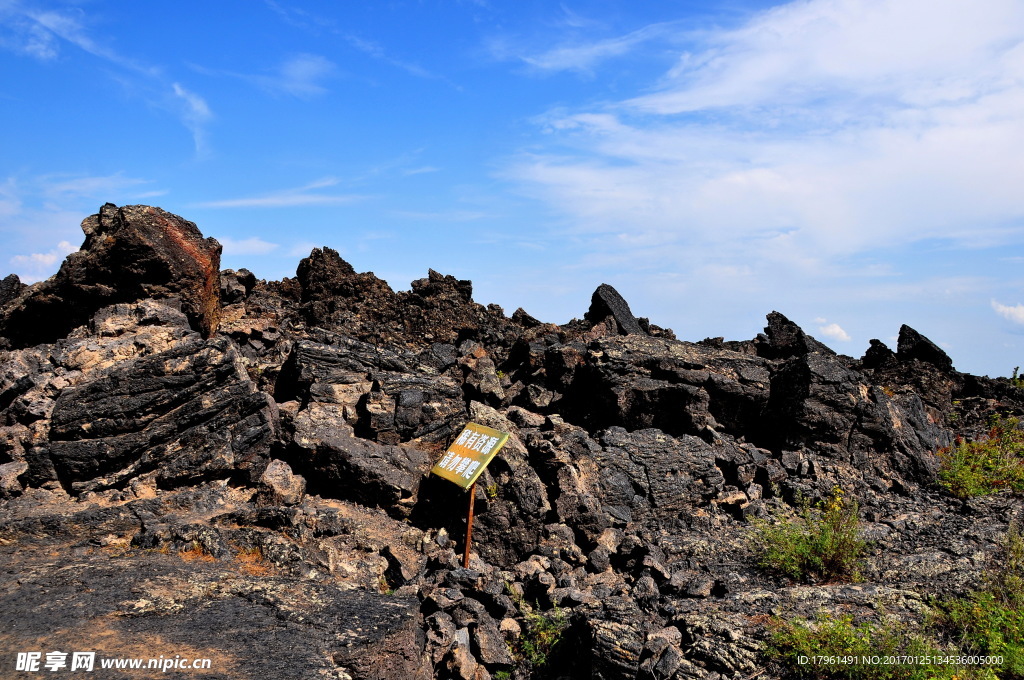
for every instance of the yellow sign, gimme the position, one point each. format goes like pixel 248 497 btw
pixel 469 454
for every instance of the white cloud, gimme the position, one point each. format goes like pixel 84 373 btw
pixel 820 129
pixel 301 76
pixel 922 52
pixel 288 198
pixel 40 30
pixel 1014 314
pixel 249 246
pixel 37 266
pixel 577 54
pixel 584 56
pixel 835 332
pixel 195 114
pixel 39 34
pixel 421 170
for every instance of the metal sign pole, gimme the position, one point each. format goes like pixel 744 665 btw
pixel 469 524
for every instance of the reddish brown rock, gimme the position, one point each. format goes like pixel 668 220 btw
pixel 130 253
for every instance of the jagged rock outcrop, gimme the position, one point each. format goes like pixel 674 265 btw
pixel 187 414
pixel 606 302
pixel 130 253
pixel 180 448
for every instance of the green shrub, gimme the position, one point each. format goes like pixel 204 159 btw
pixel 988 623
pixel 982 625
pixel 830 648
pixel 541 633
pixel 540 637
pixel 820 544
pixel 1016 380
pixel 986 465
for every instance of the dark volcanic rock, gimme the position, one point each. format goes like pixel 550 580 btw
pixel 236 286
pixel 143 604
pixel 786 339
pixel 386 394
pixel 341 465
pixel 913 345
pixel 652 478
pixel 189 413
pixel 878 355
pixel 148 495
pixel 129 253
pixel 606 302
pixel 818 404
pixel 10 288
pixel 335 296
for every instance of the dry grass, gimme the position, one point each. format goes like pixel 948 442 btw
pixel 252 561
pixel 196 554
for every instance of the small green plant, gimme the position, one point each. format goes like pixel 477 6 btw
pixel 541 633
pixel 837 647
pixel 820 544
pixel 990 622
pixel 491 490
pixel 540 637
pixel 986 626
pixel 1017 380
pixel 986 465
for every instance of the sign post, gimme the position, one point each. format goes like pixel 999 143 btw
pixel 464 462
pixel 469 525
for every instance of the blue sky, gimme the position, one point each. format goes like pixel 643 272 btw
pixel 854 164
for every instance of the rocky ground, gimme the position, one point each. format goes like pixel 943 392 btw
pixel 197 463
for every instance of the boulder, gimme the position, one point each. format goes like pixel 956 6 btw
pixel 786 339
pixel 10 288
pixel 236 286
pixel 341 465
pixel 606 302
pixel 189 414
pixel 279 486
pixel 130 253
pixel 913 345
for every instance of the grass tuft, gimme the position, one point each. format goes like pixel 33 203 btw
pixel 821 544
pixel 986 465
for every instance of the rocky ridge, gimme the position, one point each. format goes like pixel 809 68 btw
pixel 195 462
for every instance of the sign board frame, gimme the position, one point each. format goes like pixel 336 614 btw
pixel 470 454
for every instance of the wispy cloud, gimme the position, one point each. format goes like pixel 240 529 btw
pixel 55 186
pixel 249 246
pixel 377 51
pixel 302 196
pixel 421 170
pixel 299 75
pixel 69 26
pixel 38 266
pixel 1014 313
pixel 819 129
pixel 20 33
pixel 316 24
pixel 580 54
pixel 443 215
pixel 195 114
pixel 41 34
